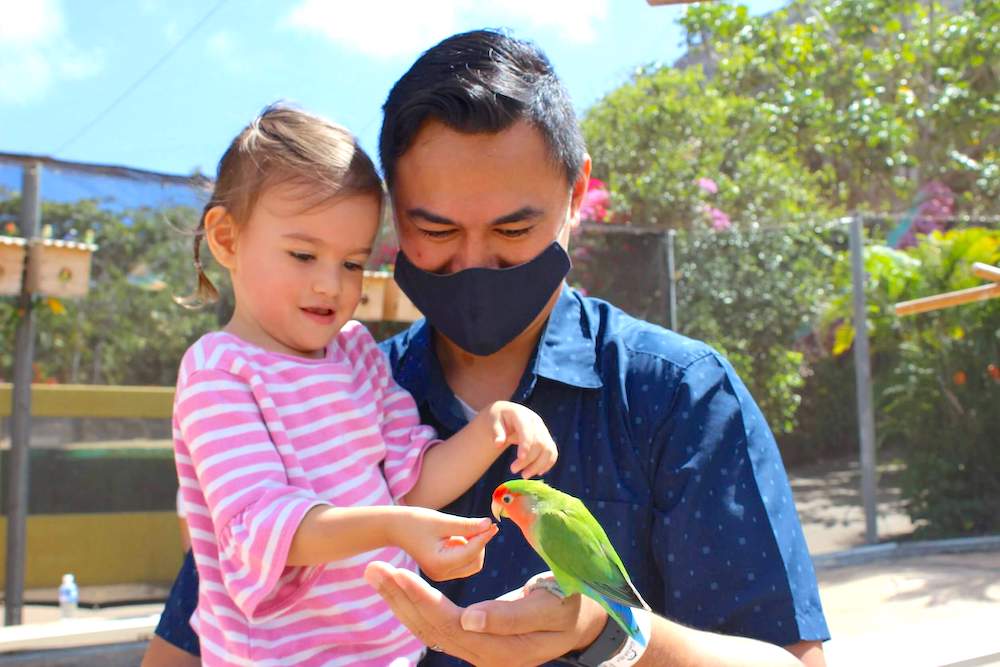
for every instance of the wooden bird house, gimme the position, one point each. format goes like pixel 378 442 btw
pixel 398 307
pixel 372 296
pixel 11 264
pixel 59 268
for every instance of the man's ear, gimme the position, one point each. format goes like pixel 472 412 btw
pixel 580 186
pixel 221 233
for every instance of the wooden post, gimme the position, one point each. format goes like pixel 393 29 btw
pixel 17 462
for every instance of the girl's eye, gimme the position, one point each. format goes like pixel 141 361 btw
pixel 302 256
pixel 354 266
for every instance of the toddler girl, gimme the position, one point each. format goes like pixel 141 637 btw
pixel 300 460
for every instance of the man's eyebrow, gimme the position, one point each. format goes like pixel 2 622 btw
pixel 429 217
pixel 521 214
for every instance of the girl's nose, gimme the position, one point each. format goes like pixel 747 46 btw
pixel 326 284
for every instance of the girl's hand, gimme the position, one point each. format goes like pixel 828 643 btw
pixel 515 424
pixel 444 546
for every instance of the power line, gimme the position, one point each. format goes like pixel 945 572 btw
pixel 138 82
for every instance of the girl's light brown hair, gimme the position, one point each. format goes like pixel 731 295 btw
pixel 283 145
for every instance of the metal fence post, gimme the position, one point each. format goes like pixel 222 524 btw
pixel 18 457
pixel 671 280
pixel 863 381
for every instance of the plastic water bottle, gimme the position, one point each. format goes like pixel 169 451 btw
pixel 69 596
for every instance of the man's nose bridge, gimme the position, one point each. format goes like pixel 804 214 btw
pixel 474 253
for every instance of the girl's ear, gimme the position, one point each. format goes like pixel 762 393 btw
pixel 221 233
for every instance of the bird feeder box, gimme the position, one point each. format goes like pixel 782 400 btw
pixel 398 307
pixel 372 296
pixel 59 268
pixel 11 264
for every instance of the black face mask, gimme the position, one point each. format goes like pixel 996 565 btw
pixel 480 309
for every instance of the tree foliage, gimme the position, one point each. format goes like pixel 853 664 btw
pixel 817 108
pixel 936 375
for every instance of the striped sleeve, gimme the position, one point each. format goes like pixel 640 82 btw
pixel 406 439
pixel 241 474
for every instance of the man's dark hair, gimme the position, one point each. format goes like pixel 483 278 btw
pixel 481 81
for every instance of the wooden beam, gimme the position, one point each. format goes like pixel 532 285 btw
pixel 84 400
pixel 986 272
pixel 948 299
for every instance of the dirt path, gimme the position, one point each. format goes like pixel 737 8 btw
pixel 828 497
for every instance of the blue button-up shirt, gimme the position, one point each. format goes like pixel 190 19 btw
pixel 663 443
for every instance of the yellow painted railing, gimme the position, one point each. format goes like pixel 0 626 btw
pixel 87 400
pixel 106 548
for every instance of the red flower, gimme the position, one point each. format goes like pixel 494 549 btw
pixel 994 371
pixel 595 203
pixel 959 378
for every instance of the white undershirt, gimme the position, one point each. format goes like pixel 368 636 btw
pixel 467 410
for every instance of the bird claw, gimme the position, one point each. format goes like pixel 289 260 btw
pixel 546 582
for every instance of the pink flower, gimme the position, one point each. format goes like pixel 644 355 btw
pixel 708 185
pixel 595 202
pixel 718 219
pixel 935 206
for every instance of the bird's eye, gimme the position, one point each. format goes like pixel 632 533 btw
pixel 506 499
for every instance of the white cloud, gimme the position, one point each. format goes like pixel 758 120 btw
pixel 573 20
pixel 391 28
pixel 35 52
pixel 380 28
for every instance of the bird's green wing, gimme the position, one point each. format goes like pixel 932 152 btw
pixel 574 542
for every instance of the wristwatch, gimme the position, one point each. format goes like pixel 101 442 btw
pixel 607 645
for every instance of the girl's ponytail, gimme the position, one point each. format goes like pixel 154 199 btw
pixel 205 293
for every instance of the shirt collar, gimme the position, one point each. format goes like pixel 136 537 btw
pixel 566 353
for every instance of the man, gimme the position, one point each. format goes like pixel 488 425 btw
pixel 486 168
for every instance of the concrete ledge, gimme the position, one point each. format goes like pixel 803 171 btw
pixel 76 632
pixel 113 655
pixel 889 550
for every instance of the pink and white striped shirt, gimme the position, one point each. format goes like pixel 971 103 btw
pixel 259 439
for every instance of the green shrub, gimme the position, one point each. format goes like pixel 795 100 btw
pixel 936 377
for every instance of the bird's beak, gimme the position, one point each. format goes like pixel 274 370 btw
pixel 497 510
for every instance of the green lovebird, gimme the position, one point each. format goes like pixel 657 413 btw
pixel 574 546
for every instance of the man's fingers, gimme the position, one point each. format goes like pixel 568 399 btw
pixel 538 611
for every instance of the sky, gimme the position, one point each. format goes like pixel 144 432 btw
pixel 182 77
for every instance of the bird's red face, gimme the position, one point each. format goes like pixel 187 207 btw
pixel 503 498
pixel 517 505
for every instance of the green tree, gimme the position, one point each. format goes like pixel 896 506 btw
pixel 877 96
pixel 816 108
